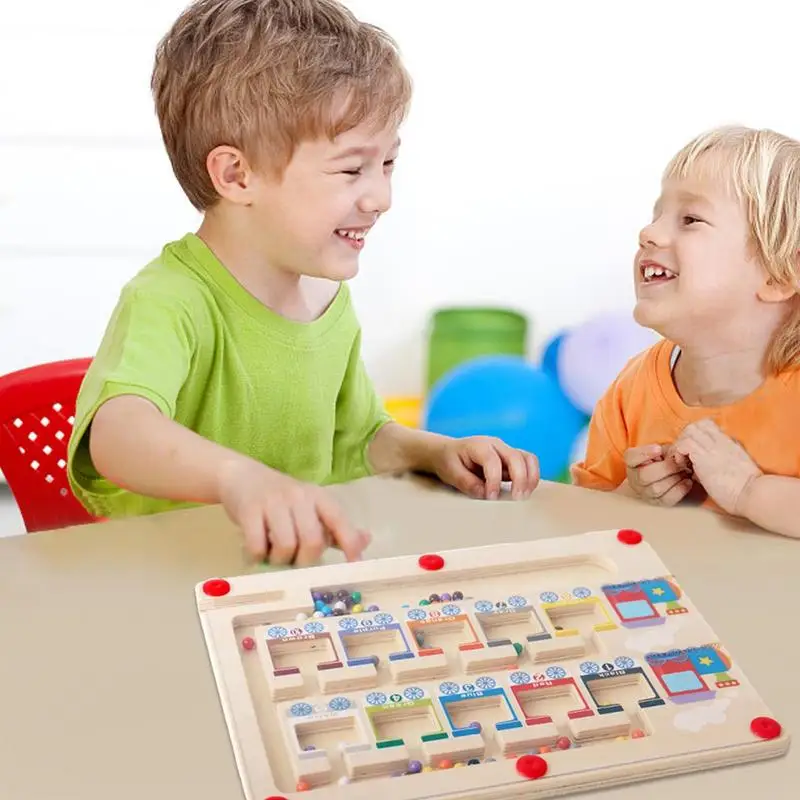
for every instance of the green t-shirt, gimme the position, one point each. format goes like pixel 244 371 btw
pixel 189 338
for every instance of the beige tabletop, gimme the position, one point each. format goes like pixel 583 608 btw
pixel 105 687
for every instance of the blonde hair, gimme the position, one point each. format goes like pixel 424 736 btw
pixel 762 169
pixel 264 75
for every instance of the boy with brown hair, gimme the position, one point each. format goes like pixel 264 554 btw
pixel 231 369
pixel 712 409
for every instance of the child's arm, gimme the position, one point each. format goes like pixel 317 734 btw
pixel 773 503
pixel 135 446
pixel 736 483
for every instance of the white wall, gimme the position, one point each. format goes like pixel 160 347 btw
pixel 530 160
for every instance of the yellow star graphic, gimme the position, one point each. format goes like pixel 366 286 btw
pixel 658 592
pixel 706 661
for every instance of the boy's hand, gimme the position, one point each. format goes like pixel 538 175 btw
pixel 477 465
pixel 286 521
pixel 657 475
pixel 721 465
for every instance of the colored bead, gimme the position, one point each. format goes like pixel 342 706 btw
pixel 319 605
pixel 445 763
pixel 339 606
pixel 356 597
pixel 458 596
pixel 327 598
pixel 357 609
pixel 309 748
pixel 302 786
pixel 373 608
pixel 459 764
pixel 545 749
pixel 473 761
pixel 427 769
pixel 518 648
pixel 341 594
pixel 434 598
pixel 414 767
pixel 301 617
pixel 629 536
pixel 344 780
pixel 424 602
pixel 249 643
pixel 316 596
pixel 563 743
pixel 348 601
pixel 636 733
pixel 446 598
pixel 318 615
pixel 339 612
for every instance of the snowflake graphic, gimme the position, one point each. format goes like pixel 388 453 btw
pixel 277 632
pixel 484 606
pixel 516 601
pixel 384 619
pixel 376 699
pixel 624 662
pixel 413 693
pixel 519 678
pixel 448 687
pixel 590 668
pixel 556 673
pixel 314 627
pixel 548 597
pixel 301 710
pixel 450 610
pixel 339 704
pixel 485 683
pixel 417 613
pixel 581 592
pixel 348 624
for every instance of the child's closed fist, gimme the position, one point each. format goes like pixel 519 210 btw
pixel 720 464
pixel 657 476
pixel 477 465
pixel 283 520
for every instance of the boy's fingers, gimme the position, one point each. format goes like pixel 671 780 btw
pixel 532 464
pixel 348 540
pixel 658 470
pixel 674 495
pixel 254 533
pixel 517 471
pixel 658 489
pixel 282 535
pixel 636 456
pixel 310 535
pixel 492 466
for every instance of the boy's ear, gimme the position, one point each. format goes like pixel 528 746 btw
pixel 773 291
pixel 230 173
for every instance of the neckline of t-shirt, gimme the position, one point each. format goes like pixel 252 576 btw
pixel 216 271
pixel 665 362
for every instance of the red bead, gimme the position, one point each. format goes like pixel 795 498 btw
pixel 216 587
pixel 766 728
pixel 445 763
pixel 629 536
pixel 563 743
pixel 431 562
pixel 531 767
pixel 275 797
pixel 249 643
pixel 302 786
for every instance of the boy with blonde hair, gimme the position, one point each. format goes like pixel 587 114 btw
pixel 712 409
pixel 231 371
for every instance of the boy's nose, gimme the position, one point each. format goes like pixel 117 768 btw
pixel 652 235
pixel 378 199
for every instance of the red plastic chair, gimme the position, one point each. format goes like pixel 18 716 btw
pixel 37 408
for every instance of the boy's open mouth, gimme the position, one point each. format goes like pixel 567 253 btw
pixel 353 236
pixel 653 273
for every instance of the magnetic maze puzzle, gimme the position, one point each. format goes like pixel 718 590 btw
pixel 514 670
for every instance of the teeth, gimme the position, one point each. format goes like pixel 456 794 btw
pixel 657 272
pixel 357 235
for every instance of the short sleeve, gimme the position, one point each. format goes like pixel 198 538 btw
pixel 603 466
pixel 146 351
pixel 359 416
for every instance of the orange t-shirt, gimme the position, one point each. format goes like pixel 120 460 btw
pixel 642 406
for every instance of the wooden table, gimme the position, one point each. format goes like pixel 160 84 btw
pixel 105 687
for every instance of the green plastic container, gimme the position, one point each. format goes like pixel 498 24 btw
pixel 461 334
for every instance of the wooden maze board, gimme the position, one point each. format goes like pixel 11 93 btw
pixel 516 670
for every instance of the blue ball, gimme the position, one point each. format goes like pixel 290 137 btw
pixel 550 355
pixel 506 397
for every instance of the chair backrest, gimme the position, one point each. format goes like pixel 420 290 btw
pixel 37 408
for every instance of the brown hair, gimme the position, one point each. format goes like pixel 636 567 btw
pixel 762 169
pixel 264 75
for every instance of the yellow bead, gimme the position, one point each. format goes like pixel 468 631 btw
pixel 357 608
pixel 427 769
pixel 459 764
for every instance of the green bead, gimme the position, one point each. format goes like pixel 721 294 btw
pixel 518 648
pixel 356 597
pixel 424 602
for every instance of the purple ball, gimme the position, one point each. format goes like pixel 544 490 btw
pixel 373 608
pixel 592 355
pixel 446 598
pixel 414 767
